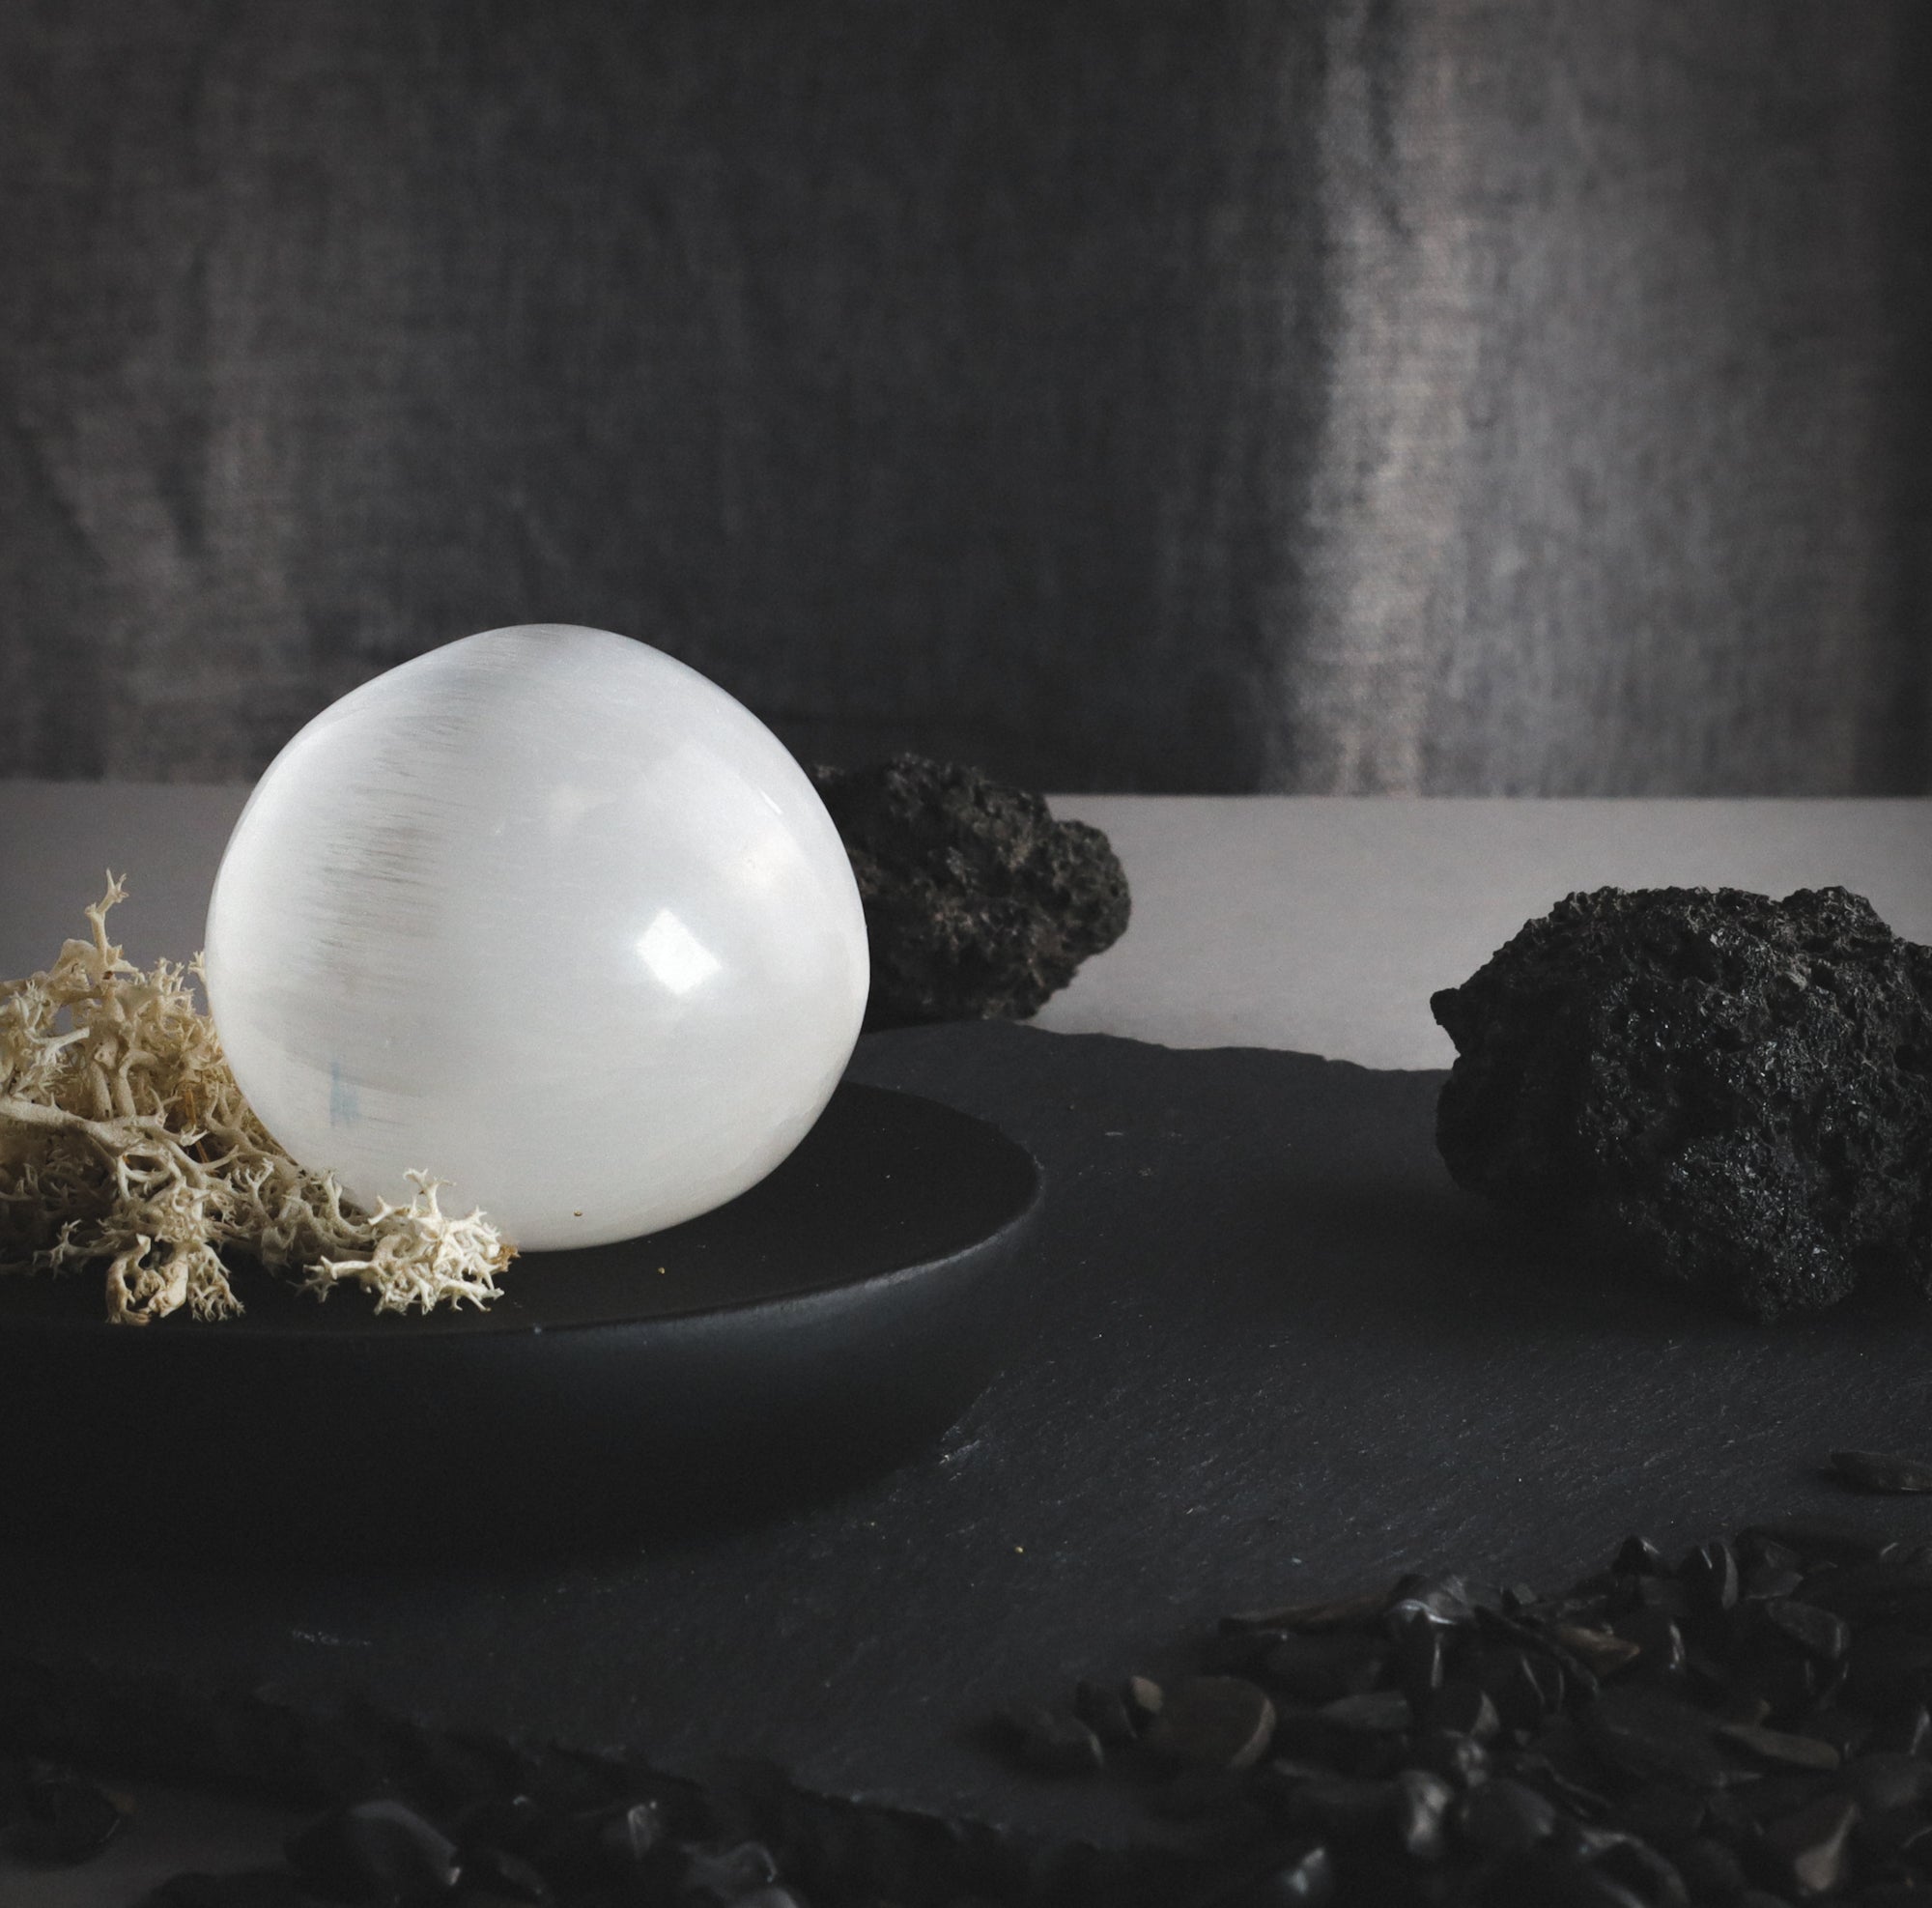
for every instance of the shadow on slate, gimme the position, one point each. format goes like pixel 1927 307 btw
pixel 1264 1350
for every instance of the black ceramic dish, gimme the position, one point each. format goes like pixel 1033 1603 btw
pixel 814 1330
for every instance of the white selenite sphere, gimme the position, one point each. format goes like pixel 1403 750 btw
pixel 548 915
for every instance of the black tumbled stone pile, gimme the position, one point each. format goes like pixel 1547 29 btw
pixel 1744 1726
pixel 1741 1727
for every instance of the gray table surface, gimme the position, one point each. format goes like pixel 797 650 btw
pixel 1316 925
pixel 1312 923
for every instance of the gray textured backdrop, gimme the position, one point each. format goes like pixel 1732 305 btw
pixel 1438 395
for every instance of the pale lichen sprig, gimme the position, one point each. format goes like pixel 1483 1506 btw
pixel 421 1255
pixel 124 1141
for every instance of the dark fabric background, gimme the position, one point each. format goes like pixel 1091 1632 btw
pixel 1416 395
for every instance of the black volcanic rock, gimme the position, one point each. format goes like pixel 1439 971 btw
pixel 1737 1090
pixel 978 905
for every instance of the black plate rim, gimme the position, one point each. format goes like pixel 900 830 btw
pixel 393 1328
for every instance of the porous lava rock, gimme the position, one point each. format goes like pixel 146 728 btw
pixel 978 905
pixel 1732 1090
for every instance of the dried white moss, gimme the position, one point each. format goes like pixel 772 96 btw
pixel 126 1142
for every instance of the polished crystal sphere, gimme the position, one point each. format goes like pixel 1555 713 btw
pixel 546 914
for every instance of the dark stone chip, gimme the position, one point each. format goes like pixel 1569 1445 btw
pixel 1639 1557
pixel 1662 1813
pixel 1143 1697
pixel 1786 1792
pixel 1657 1639
pixel 1465 1709
pixel 1625 1859
pixel 255 1888
pixel 1422 1657
pixel 1818 1539
pixel 1885 1781
pixel 1653 1737
pixel 978 905
pixel 1822 1633
pixel 1904 1731
pixel 516 1822
pixel 1552 1877
pixel 1502 1818
pixel 1214 1722
pixel 1456 1759
pixel 1710 1573
pixel 1763 1686
pixel 1882 1837
pixel 1302 1736
pixel 1356 1611
pixel 1375 1713
pixel 1847 1730
pixel 378 1851
pixel 1780 1792
pixel 1600 1651
pixel 1739 1704
pixel 1592 1888
pixel 1275 1782
pixel 1445 1600
pixel 1234 1650
pixel 1902 1892
pixel 627 1835
pixel 1103 1708
pixel 1199 1794
pixel 1421 1800
pixel 63 1816
pixel 1757 1552
pixel 1723 1085
pixel 501 1876
pixel 1322 1666
pixel 1890 1665
pixel 1779 1747
pixel 1342 1807
pixel 1554 1774
pixel 1664 1595
pixel 1710 1870
pixel 1768 1580
pixel 1524 1687
pixel 1052 1741
pixel 1809 1849
pixel 1727 1820
pixel 1305 1879
pixel 1883 1470
pixel 721 1876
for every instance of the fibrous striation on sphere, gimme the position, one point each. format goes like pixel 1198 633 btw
pixel 978 905
pixel 1734 1090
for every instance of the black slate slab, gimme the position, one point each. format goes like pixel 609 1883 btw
pixel 1266 1350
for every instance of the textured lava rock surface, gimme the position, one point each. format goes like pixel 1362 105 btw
pixel 978 905
pixel 1736 1090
